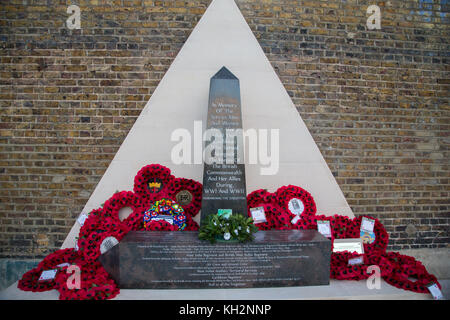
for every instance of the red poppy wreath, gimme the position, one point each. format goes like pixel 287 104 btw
pixel 151 183
pixel 57 260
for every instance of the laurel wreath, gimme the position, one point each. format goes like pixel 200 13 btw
pixel 234 228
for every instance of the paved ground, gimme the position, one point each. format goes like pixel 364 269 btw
pixel 354 290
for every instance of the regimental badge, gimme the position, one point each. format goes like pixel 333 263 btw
pixel 184 197
pixel 154 185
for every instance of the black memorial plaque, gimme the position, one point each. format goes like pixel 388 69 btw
pixel 224 169
pixel 179 260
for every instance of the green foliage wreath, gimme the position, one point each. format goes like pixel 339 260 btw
pixel 236 227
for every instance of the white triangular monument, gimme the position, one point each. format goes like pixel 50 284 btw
pixel 221 38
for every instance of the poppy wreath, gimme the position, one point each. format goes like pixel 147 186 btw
pixel 406 267
pixel 95 283
pixel 275 216
pixel 193 187
pixel 381 236
pixel 379 258
pixel 286 193
pixel 308 222
pixel 121 200
pixel 343 227
pixel 259 197
pixel 91 223
pixel 30 280
pixel 110 223
pixel 162 225
pixel 281 198
pixel 340 268
pixel 163 209
pixel 269 224
pixel 151 182
pixel 91 250
pixel 394 268
pixel 88 242
pixel 278 217
pixel 339 225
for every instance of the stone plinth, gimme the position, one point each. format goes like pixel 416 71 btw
pixel 179 260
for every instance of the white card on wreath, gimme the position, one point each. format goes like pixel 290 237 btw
pixel 166 218
pixel 258 215
pixel 107 244
pixel 48 275
pixel 435 291
pixel 356 261
pixel 62 265
pixel 367 224
pixel 82 218
pixel 324 228
pixel 350 245
pixel 296 206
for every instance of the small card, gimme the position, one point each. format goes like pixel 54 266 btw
pixel 435 291
pixel 258 215
pixel 367 237
pixel 226 213
pixel 162 217
pixel 62 265
pixel 367 224
pixel 356 261
pixel 82 218
pixel 76 246
pixel 351 245
pixel 296 206
pixel 48 275
pixel 107 244
pixel 324 228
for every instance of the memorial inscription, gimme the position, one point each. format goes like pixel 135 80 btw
pixel 158 260
pixel 224 169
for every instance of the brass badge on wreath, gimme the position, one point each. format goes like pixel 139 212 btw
pixel 184 197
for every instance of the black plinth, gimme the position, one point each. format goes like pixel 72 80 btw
pixel 179 260
pixel 224 173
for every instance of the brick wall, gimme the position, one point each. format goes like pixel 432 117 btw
pixel 375 101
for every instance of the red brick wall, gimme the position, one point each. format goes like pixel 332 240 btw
pixel 375 101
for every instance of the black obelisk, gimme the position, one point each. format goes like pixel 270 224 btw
pixel 224 168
